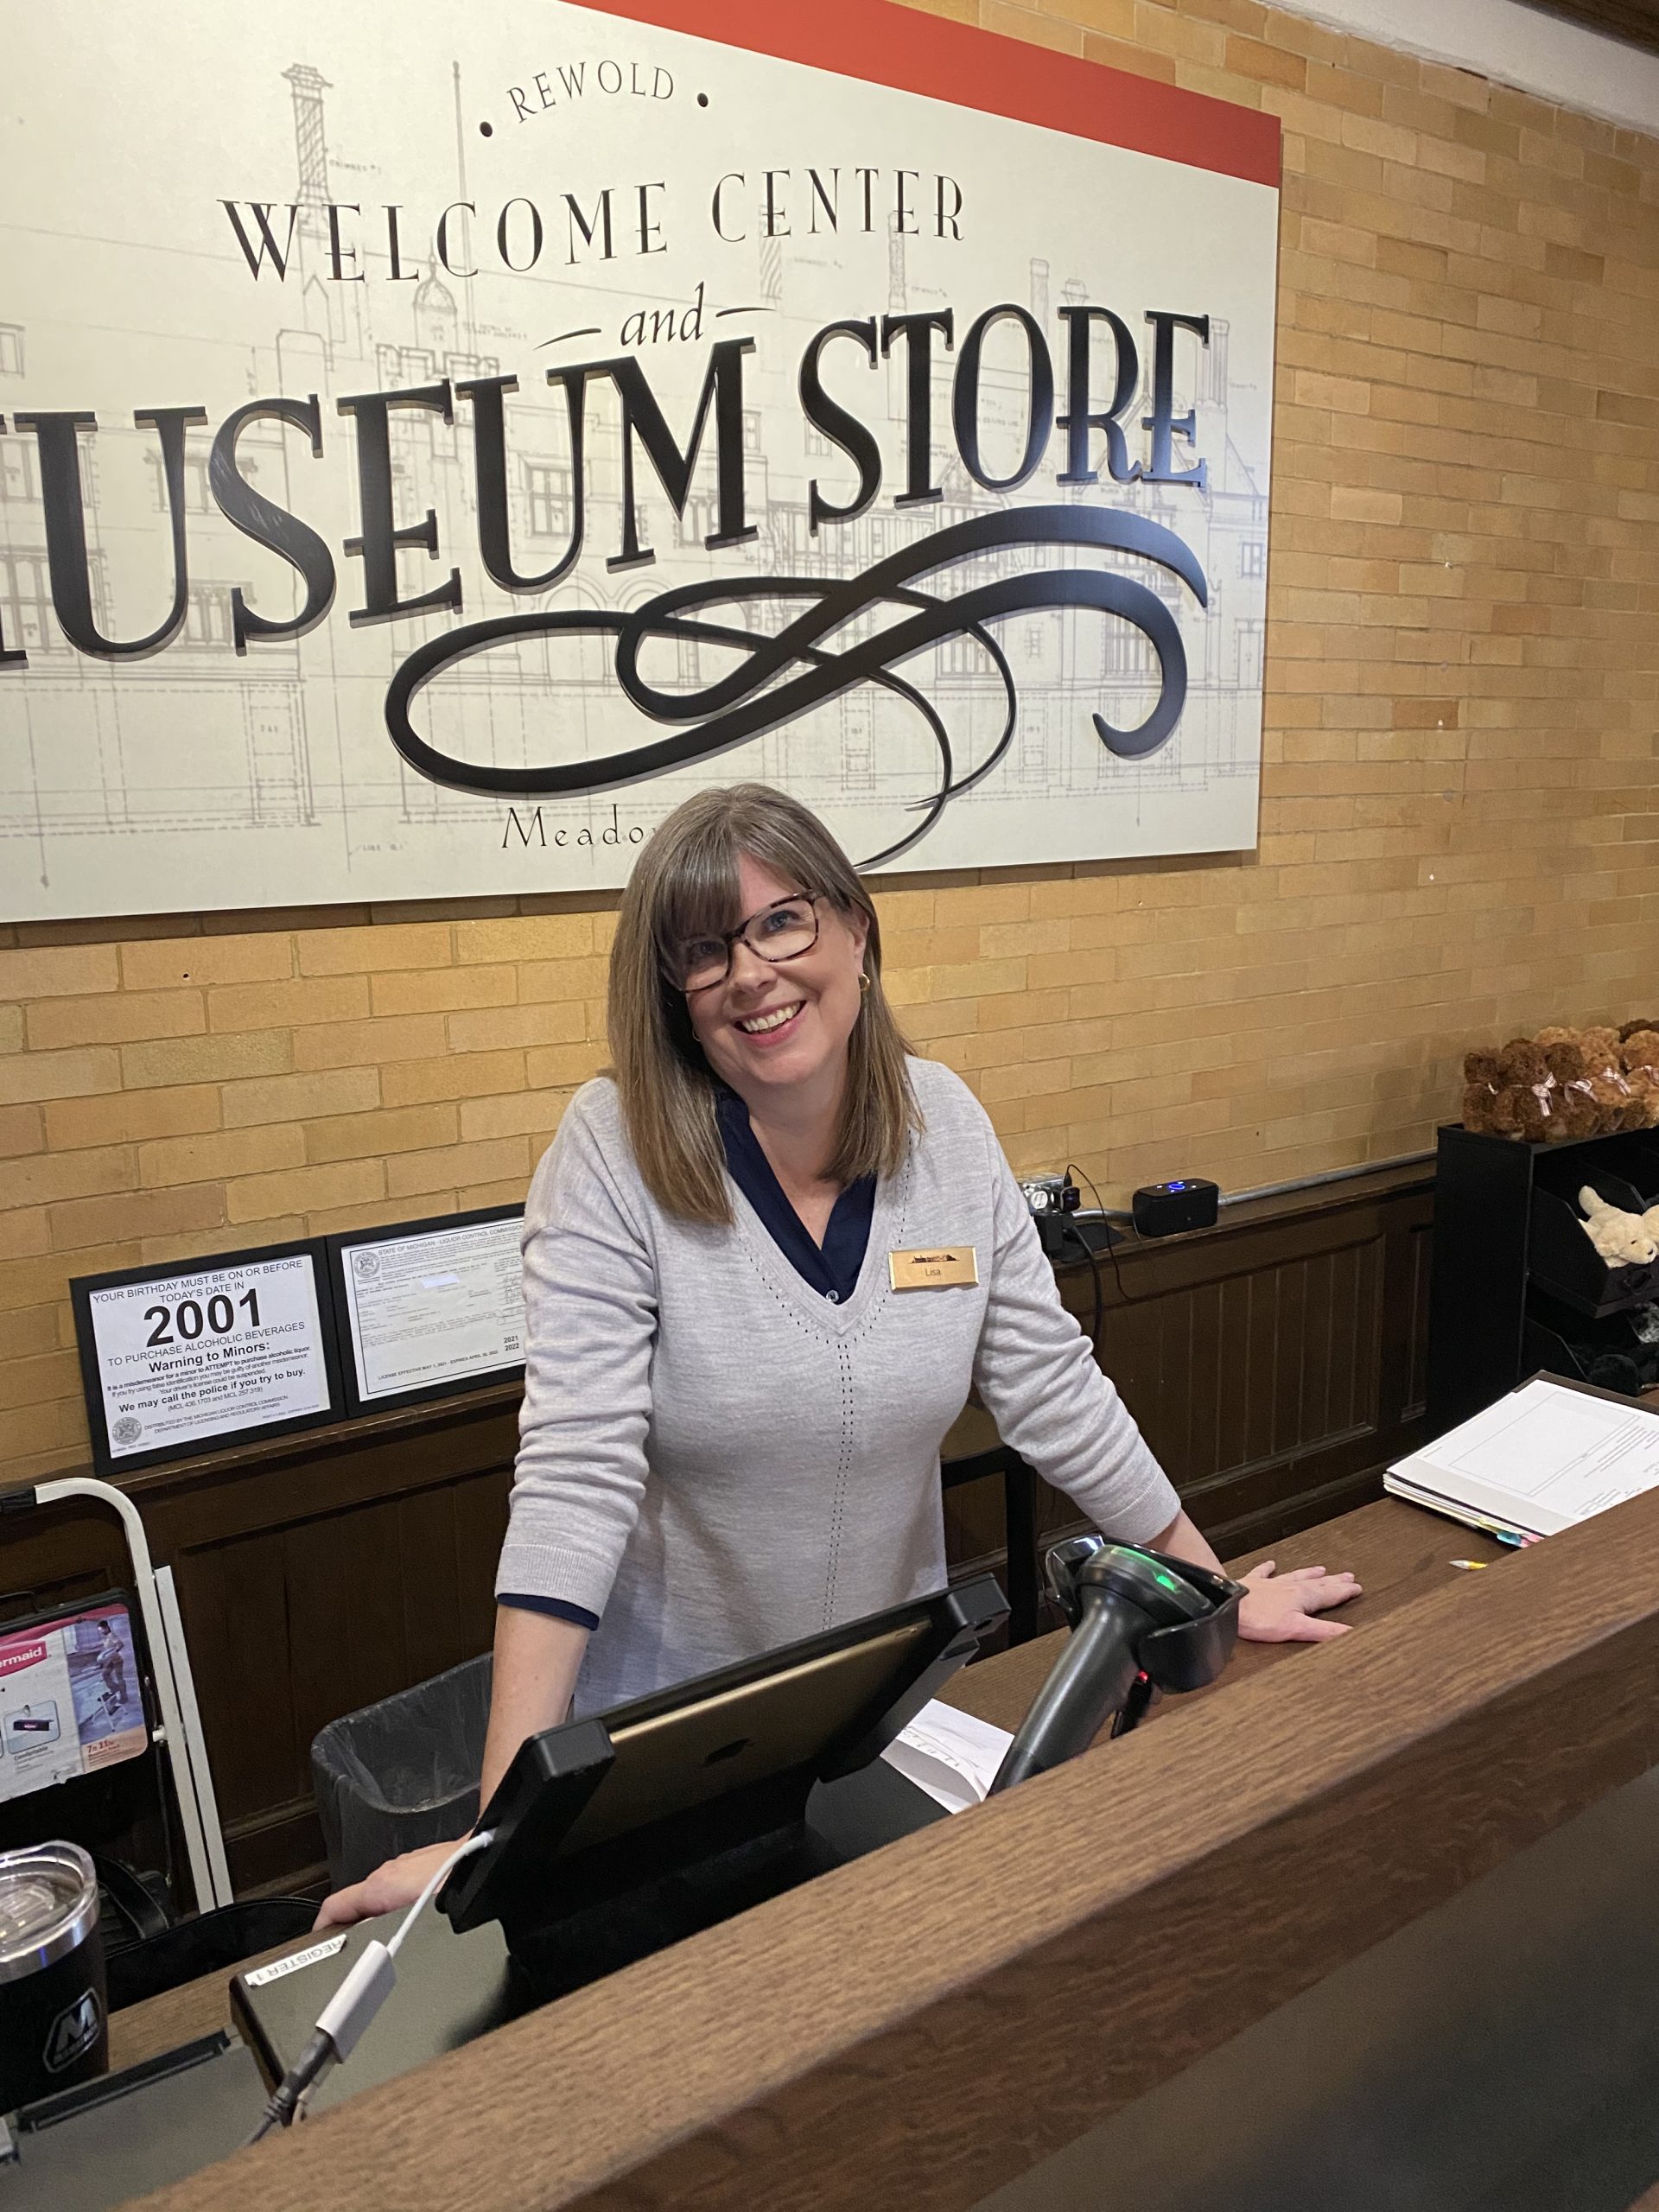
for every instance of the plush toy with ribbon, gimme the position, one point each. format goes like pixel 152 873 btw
pixel 1565 1083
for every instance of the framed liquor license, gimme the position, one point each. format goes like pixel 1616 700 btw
pixel 428 1308
pixel 183 1359
pixel 484 427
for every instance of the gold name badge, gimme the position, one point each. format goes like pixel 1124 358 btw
pixel 941 1269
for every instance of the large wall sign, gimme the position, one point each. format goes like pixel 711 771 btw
pixel 433 441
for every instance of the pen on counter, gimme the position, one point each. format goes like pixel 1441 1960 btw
pixel 1472 1566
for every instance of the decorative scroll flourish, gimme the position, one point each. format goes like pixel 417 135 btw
pixel 786 674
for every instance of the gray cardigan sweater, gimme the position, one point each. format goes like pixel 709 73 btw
pixel 716 1459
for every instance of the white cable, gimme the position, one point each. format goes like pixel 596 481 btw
pixel 342 2021
pixel 478 1842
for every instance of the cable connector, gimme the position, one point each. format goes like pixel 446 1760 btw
pixel 344 2019
pixel 356 2000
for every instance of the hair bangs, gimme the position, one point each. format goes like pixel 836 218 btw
pixel 699 897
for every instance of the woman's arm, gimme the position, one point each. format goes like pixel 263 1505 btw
pixel 1279 1609
pixel 590 1311
pixel 590 1306
pixel 536 1659
pixel 1037 1373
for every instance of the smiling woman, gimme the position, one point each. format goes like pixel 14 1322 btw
pixel 735 1389
pixel 810 950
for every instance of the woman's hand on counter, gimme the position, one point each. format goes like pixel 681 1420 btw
pixel 1277 1608
pixel 1284 1608
pixel 536 1657
pixel 391 1888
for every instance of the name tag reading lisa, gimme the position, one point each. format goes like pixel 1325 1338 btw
pixel 941 1267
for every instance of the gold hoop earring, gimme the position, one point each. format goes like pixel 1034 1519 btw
pixel 863 981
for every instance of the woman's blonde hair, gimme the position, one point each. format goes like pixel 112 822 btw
pixel 685 885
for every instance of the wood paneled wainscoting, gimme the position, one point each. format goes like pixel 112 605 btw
pixel 1276 1362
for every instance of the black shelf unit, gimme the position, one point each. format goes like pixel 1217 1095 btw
pixel 1514 1276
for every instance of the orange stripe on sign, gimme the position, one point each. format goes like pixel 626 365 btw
pixel 884 45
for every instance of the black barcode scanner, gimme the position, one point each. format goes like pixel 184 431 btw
pixel 1137 1619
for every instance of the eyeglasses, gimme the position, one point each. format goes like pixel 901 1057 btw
pixel 781 932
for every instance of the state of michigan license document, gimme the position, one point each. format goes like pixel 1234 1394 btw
pixel 436 1308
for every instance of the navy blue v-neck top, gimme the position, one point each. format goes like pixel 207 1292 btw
pixel 832 1268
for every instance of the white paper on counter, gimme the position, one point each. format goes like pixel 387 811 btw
pixel 949 1754
pixel 1541 1459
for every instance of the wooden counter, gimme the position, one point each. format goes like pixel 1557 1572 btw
pixel 907 2026
pixel 1397 1551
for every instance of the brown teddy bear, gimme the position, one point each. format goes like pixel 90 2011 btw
pixel 1525 1088
pixel 1628 1106
pixel 1602 1080
pixel 1480 1091
pixel 1565 1083
pixel 1575 1109
pixel 1498 1095
pixel 1640 1055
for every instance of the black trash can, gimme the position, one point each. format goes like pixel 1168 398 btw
pixel 54 2010
pixel 403 1773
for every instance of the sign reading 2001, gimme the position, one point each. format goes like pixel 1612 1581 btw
pixel 435 444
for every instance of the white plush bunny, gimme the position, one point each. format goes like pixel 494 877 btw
pixel 1623 1239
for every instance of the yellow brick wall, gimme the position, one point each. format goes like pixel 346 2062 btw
pixel 1458 818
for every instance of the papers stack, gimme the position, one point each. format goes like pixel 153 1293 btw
pixel 1537 1462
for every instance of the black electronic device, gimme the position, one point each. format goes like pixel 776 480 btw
pixel 1138 1619
pixel 125 2134
pixel 1050 1200
pixel 616 1835
pixel 450 1990
pixel 1170 1209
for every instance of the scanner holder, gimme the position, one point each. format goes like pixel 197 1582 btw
pixel 1140 1620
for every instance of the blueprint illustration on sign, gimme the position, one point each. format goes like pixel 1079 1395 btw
pixel 199 775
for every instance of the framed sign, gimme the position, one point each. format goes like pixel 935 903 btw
pixel 428 1308
pixel 180 1359
pixel 70 1696
pixel 502 423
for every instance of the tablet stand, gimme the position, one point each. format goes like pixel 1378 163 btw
pixel 616 1836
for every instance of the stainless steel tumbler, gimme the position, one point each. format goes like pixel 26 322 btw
pixel 53 2017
